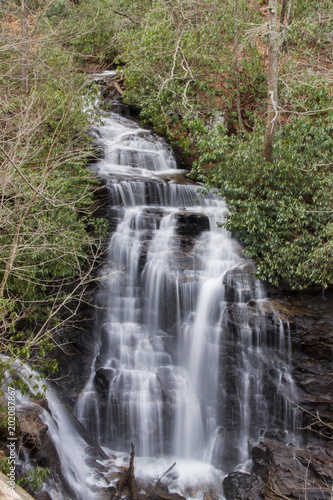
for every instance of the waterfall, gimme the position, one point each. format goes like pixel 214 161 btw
pixel 189 363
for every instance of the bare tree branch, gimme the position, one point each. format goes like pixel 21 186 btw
pixel 125 15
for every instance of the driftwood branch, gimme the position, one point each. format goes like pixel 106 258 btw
pixel 131 476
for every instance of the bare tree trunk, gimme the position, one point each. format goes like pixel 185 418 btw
pixel 272 112
pixel 239 115
pixel 24 47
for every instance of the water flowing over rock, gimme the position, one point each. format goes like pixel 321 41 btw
pixel 188 364
pixel 188 359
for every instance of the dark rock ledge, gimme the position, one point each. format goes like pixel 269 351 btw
pixel 303 472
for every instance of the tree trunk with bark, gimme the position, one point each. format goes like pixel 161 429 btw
pixel 239 111
pixel 272 96
pixel 24 47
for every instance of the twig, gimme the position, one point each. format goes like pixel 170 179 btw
pixel 25 179
pixel 160 478
pixel 125 15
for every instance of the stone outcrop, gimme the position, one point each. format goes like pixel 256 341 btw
pixel 310 315
pixel 293 472
pixel 33 441
pixel 278 470
pixel 302 471
pixel 282 471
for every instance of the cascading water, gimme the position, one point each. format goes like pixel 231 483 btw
pixel 191 365
pixel 75 455
pixel 187 365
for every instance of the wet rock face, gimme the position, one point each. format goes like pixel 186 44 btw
pixel 155 215
pixel 75 359
pixel 277 469
pixel 304 472
pixel 115 104
pixel 248 321
pixel 161 495
pixel 43 495
pixel 282 471
pixel 191 224
pixel 240 283
pixel 310 316
pixel 292 472
pixel 144 249
pixel 102 381
pixel 33 440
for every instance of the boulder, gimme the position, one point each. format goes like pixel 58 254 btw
pixel 243 486
pixel 102 381
pixel 144 248
pixel 160 495
pixel 43 495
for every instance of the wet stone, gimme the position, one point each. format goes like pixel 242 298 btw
pixel 144 248
pixel 166 378
pixel 293 472
pixel 157 213
pixel 211 495
pixel 240 283
pixel 242 486
pixel 102 381
pixel 158 494
pixel 116 106
pixel 42 495
pixel 114 216
pixel 191 224
pixel 144 222
pixel 185 243
pixel 185 262
pixel 284 468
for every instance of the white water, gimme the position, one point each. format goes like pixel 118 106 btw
pixel 188 365
pixel 79 479
pixel 174 386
